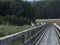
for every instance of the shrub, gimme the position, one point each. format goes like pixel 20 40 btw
pixel 22 21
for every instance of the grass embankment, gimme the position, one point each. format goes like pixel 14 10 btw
pixel 9 29
pixel 48 20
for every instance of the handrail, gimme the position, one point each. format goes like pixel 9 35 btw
pixel 57 29
pixel 27 37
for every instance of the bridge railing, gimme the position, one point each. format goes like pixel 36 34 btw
pixel 57 29
pixel 28 37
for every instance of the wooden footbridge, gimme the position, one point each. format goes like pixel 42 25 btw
pixel 44 34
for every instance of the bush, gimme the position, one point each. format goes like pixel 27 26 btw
pixel 2 21
pixel 13 20
pixel 1 33
pixel 22 21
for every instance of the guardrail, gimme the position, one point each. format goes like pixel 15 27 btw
pixel 28 37
pixel 57 29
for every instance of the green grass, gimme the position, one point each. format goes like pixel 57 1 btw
pixel 9 29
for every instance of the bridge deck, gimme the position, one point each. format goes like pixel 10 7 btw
pixel 49 38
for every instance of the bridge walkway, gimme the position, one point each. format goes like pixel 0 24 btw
pixel 50 37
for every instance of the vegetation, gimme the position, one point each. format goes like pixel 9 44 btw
pixel 48 20
pixel 47 9
pixel 18 12
pixel 9 29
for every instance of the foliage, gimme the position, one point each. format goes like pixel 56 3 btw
pixel 10 29
pixel 16 12
pixel 48 9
